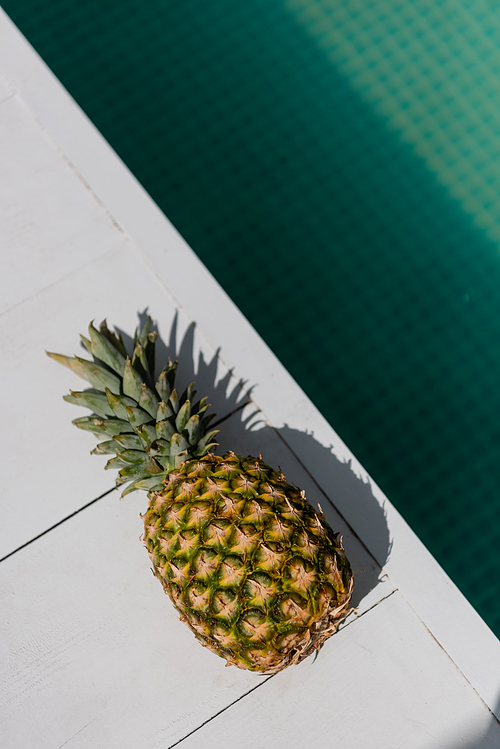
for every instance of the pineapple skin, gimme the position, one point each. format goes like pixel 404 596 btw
pixel 255 572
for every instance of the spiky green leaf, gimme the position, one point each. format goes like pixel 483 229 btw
pixel 111 427
pixel 171 372
pixel 200 406
pixel 160 447
pixel 96 402
pixel 132 381
pixel 86 343
pixel 192 428
pixel 162 386
pixel 131 472
pixel 150 351
pixel 115 463
pixel 166 462
pixel 174 401
pixel 164 411
pixel 89 424
pixel 181 458
pixel 70 362
pixel 135 457
pixel 129 441
pixel 178 444
pixel 148 401
pixel 147 434
pixel 183 416
pixel 142 333
pixel 205 450
pixel 137 416
pixel 153 467
pixel 99 377
pixel 148 485
pixel 116 342
pixel 205 440
pixel 105 448
pixel 105 351
pixel 164 430
pixel 188 393
pixel 140 363
pixel 119 404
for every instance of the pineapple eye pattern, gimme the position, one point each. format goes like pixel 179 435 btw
pixel 264 588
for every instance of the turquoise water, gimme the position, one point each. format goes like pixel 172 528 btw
pixel 336 166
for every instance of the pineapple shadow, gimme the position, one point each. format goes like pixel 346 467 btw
pixel 486 738
pixel 244 430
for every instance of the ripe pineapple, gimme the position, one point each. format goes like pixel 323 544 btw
pixel 255 572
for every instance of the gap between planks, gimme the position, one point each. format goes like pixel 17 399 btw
pixel 60 522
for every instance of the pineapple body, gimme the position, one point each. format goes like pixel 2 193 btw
pixel 255 572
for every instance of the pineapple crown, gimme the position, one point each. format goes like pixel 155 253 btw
pixel 150 429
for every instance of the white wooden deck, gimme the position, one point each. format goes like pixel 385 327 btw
pixel 91 652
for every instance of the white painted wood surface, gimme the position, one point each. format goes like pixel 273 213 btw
pixel 91 653
pixel 434 597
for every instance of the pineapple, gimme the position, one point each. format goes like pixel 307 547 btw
pixel 255 572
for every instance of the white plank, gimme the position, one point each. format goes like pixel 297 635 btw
pixel 381 683
pixel 93 652
pixel 50 223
